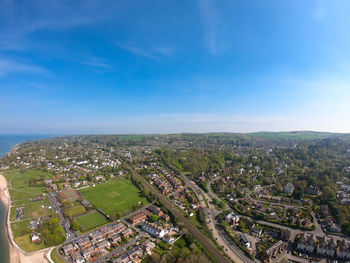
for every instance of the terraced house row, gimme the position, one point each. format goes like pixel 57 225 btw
pixel 324 246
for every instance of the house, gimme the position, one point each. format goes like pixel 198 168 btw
pixel 343 251
pixel 122 259
pixel 327 246
pixel 68 249
pixel 168 239
pixel 76 184
pixel 312 190
pixel 288 188
pixel 115 239
pixel 97 236
pixel 141 217
pixel 135 252
pixel 307 242
pixel 165 217
pixel 127 232
pixel 53 187
pixel 103 244
pixel 48 181
pixel 77 258
pixel 99 178
pixel 334 228
pixel 232 218
pixel 119 227
pixel 153 230
pixel 35 237
pixel 274 250
pixel 245 241
pixel 148 246
pixel 88 252
pixel 84 242
pixel 155 210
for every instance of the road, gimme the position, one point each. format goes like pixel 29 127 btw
pixel 221 237
pixel 216 253
pixel 58 209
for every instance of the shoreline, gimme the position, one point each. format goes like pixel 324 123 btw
pixel 5 199
pixel 16 254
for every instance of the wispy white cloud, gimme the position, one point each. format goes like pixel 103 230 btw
pixel 9 66
pixel 96 62
pixel 210 19
pixel 138 51
pixel 155 53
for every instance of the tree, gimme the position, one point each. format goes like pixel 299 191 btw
pixel 154 218
pixel 75 225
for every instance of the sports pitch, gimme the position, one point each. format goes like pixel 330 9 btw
pixel 90 221
pixel 114 197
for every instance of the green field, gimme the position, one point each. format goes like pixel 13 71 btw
pixel 26 244
pixel 90 221
pixel 20 228
pixel 114 197
pixel 20 192
pixel 18 182
pixel 75 210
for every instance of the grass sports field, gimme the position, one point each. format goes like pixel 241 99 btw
pixel 114 197
pixel 90 221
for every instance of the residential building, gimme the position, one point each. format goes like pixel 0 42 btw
pixel 148 246
pixel 274 250
pixel 135 252
pixel 288 188
pixel 232 218
pixel 168 239
pixel 155 210
pixel 343 250
pixel 141 217
pixel 307 242
pixel 127 232
pixel 68 249
pixel 77 258
pixel 153 230
pixel 84 242
pixel 115 239
pixel 103 244
pixel 88 252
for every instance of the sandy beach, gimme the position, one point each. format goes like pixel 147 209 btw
pixel 16 254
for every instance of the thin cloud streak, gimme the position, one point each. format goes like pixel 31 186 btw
pixel 8 66
pixel 210 20
pixel 154 53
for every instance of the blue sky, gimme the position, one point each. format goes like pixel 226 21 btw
pixel 156 66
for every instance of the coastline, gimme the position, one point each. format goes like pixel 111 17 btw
pixel 16 254
pixel 5 199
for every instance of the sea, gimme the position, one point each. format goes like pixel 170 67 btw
pixel 6 143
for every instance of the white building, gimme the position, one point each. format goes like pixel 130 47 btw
pixel 153 230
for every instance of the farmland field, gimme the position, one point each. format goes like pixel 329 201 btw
pixel 114 197
pixel 90 221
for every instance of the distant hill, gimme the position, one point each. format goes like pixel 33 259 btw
pixel 292 135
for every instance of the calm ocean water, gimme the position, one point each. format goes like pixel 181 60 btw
pixel 6 143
